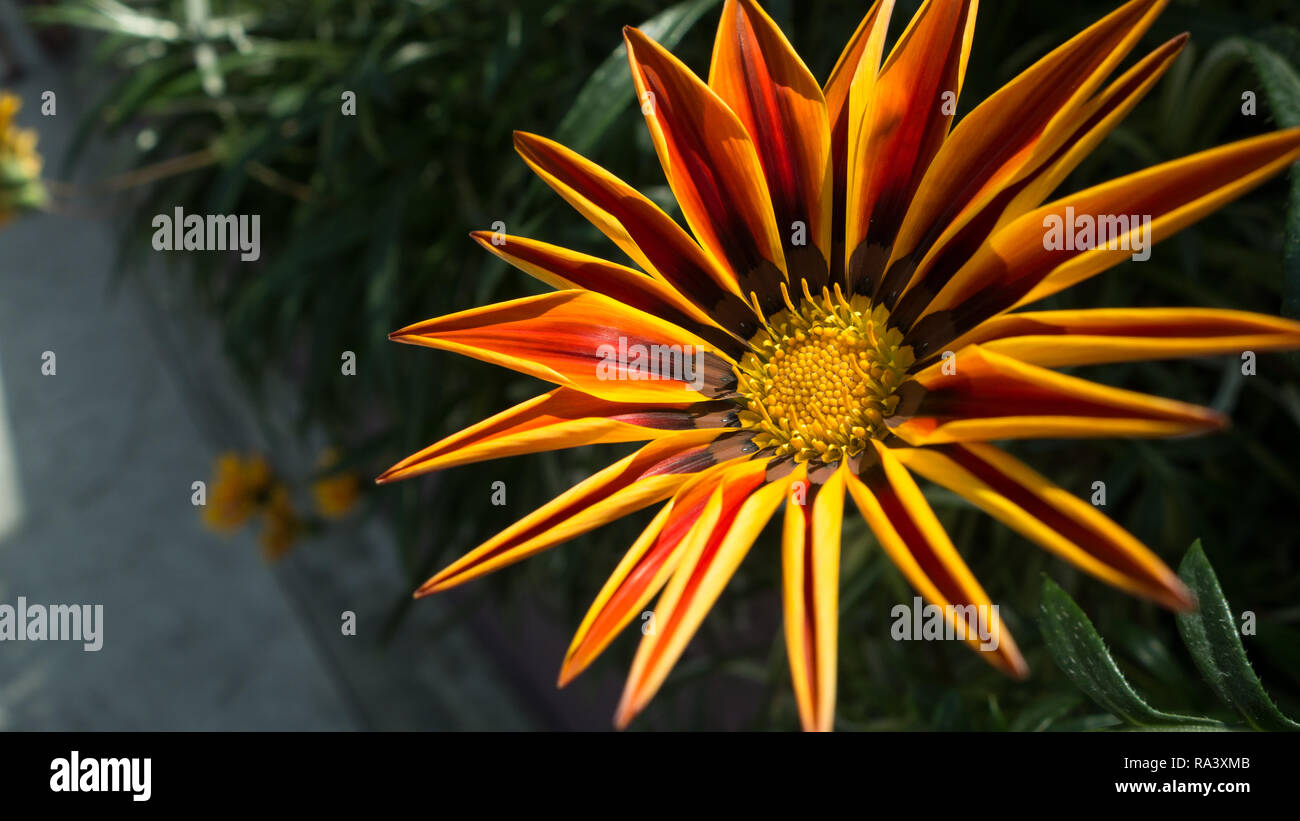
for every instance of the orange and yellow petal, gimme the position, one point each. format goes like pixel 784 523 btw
pixel 561 418
pixel 712 167
pixel 916 542
pixel 1044 251
pixel 585 341
pixel 810 561
pixel 1057 339
pixel 652 559
pixel 650 475
pixel 1029 180
pixel 899 130
pixel 710 555
pixel 979 396
pixel 564 269
pixel 854 72
pixel 1045 513
pixel 642 230
pixel 758 74
pixel 1014 131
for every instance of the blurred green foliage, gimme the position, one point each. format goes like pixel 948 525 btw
pixel 235 107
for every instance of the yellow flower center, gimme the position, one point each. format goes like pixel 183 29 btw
pixel 819 380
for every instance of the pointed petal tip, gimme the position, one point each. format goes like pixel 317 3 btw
pixel 437 583
pixel 408 334
pixel 1168 591
pixel 628 708
pixel 410 468
pixel 574 665
pixel 1008 659
pixel 1178 597
pixel 571 667
pixel 565 676
pixel 1005 656
pixel 396 473
pixel 576 661
pixel 1201 420
pixel 484 239
pixel 522 139
pixel 623 717
pixel 633 36
pixel 425 590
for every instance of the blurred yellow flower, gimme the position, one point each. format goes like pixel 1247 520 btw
pixel 238 491
pixel 337 494
pixel 245 487
pixel 282 526
pixel 20 165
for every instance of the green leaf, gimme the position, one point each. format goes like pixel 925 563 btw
pixel 1208 727
pixel 1080 652
pixel 1211 636
pixel 609 89
pixel 1280 80
pixel 1281 84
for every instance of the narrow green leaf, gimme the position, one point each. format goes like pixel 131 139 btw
pixel 1211 636
pixel 609 90
pixel 1280 80
pixel 1281 83
pixel 1080 652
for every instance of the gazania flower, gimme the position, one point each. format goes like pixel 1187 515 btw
pixel 245 487
pixel 849 305
pixel 240 489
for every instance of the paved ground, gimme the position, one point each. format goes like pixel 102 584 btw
pixel 96 463
pixel 197 633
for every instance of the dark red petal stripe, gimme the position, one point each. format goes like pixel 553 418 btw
pixel 963 244
pixel 674 255
pixel 756 54
pixel 1093 541
pixel 912 86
